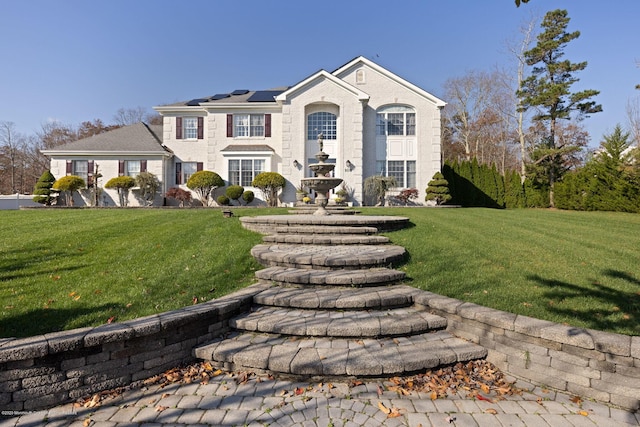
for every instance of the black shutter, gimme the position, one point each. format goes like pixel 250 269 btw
pixel 178 173
pixel 267 125
pixel 229 125
pixel 178 127
pixel 90 171
pixel 200 127
pixel 69 167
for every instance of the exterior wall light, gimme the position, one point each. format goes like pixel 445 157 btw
pixel 349 165
pixel 296 164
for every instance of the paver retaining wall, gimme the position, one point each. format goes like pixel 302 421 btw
pixel 48 370
pixel 51 369
pixel 588 363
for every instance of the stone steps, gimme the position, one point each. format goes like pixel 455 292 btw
pixel 337 277
pixel 328 357
pixel 266 224
pixel 322 257
pixel 323 239
pixel 326 229
pixel 336 297
pixel 339 323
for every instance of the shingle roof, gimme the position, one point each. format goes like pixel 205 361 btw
pixel 138 137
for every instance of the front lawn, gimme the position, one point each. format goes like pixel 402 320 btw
pixel 67 268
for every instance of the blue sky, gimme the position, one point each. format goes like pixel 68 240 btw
pixel 77 60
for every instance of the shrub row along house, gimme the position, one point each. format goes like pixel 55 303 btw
pixel 373 123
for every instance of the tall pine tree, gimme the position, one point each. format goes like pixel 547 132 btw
pixel 548 89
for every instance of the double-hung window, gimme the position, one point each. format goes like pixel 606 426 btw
pixel 243 171
pixel 189 127
pixel 248 125
pixel 81 169
pixel 188 169
pixel 132 168
pixel 404 171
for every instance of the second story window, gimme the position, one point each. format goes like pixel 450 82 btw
pixel 248 125
pixel 189 127
pixel 396 120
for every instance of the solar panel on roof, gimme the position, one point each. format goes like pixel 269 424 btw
pixel 220 96
pixel 240 92
pixel 196 102
pixel 264 96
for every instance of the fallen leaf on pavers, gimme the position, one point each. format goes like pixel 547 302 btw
pixel 485 388
pixel 87 422
pixel 450 419
pixel 539 401
pixel 490 411
pixel 383 408
pixel 283 393
pixel 165 395
pixel 298 391
pixel 380 390
pixel 161 408
pixel 583 413
pixel 395 412
pixel 355 383
pixel 93 402
pixel 434 395
pixel 576 399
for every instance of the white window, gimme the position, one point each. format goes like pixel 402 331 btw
pixel 132 168
pixel 396 120
pixel 248 125
pixel 243 171
pixel 321 122
pixel 81 169
pixel 188 169
pixel 190 127
pixel 404 171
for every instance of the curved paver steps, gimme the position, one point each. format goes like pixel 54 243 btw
pixel 326 229
pixel 337 277
pixel 323 239
pixel 339 323
pixel 336 297
pixel 338 356
pixel 328 257
pixel 266 224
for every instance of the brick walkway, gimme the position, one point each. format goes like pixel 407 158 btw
pixel 264 402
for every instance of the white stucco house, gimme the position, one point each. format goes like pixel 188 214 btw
pixel 373 123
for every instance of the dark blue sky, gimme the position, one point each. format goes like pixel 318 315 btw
pixel 77 60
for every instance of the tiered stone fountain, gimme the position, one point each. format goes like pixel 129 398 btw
pixel 321 183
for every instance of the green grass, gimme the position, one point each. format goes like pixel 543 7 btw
pixel 576 268
pixel 62 269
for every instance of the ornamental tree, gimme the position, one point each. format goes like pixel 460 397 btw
pixel 376 186
pixel 182 196
pixel 67 185
pixel 42 189
pixel 204 183
pixel 149 185
pixel 438 189
pixel 234 192
pixel 270 183
pixel 547 90
pixel 122 184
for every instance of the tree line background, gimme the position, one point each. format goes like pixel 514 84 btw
pixel 520 123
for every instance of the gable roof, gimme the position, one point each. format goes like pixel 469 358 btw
pixel 138 138
pixel 362 96
pixel 362 60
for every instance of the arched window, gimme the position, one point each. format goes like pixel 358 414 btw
pixel 396 120
pixel 321 122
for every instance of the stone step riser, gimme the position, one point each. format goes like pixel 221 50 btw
pixel 337 277
pixel 326 357
pixel 301 239
pixel 339 324
pixel 328 257
pixel 312 297
pixel 326 229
